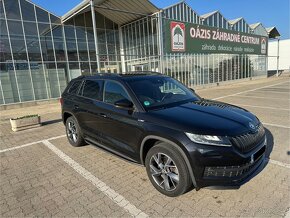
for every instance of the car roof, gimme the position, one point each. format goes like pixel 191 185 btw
pixel 121 76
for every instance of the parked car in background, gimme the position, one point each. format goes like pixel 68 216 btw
pixel 183 140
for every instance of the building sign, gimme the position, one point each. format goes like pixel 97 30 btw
pixel 177 30
pixel 194 38
pixel 264 45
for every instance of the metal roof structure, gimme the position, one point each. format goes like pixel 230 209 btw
pixel 234 21
pixel 81 7
pixel 120 12
pixel 258 28
pixel 125 11
pixel 215 18
pixel 240 24
pixel 255 25
pixel 171 11
pixel 273 32
pixel 207 15
pixel 175 4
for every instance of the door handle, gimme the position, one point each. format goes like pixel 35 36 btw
pixel 103 115
pixel 76 106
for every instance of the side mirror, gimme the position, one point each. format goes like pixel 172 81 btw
pixel 124 103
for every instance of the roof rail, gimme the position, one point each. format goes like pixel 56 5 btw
pixel 121 74
pixel 141 72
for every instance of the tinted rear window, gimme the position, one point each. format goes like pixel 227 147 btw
pixel 93 89
pixel 74 87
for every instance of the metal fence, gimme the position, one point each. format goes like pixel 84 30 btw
pixel 203 69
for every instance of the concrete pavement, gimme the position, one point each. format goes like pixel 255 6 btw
pixel 44 176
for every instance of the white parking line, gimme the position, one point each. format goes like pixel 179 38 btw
pixel 264 107
pixel 117 198
pixel 283 87
pixel 114 196
pixel 251 96
pixel 251 90
pixel 17 147
pixel 279 163
pixel 266 92
pixel 279 87
pixel 280 126
pixel 287 215
pixel 28 144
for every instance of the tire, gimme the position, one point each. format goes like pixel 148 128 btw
pixel 73 132
pixel 170 178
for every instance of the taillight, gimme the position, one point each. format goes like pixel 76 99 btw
pixel 61 101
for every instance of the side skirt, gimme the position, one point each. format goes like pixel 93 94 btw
pixel 93 142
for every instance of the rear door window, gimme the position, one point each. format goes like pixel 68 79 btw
pixel 114 92
pixel 93 89
pixel 74 88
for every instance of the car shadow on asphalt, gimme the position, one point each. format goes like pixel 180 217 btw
pixel 51 122
pixel 269 149
pixel 270 143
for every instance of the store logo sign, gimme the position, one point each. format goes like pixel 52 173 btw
pixel 263 45
pixel 177 30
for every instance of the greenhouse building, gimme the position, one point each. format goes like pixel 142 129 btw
pixel 41 52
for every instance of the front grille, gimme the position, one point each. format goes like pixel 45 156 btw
pixel 234 171
pixel 227 171
pixel 247 142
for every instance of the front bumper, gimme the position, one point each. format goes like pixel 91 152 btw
pixel 225 166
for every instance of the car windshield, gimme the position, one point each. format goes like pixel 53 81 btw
pixel 156 91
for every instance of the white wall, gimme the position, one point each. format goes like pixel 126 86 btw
pixel 284 53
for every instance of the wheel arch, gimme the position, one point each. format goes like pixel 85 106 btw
pixel 66 115
pixel 155 139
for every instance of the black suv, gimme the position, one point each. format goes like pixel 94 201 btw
pixel 148 118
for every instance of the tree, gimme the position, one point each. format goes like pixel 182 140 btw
pixel 178 31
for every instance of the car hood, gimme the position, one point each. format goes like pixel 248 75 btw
pixel 205 117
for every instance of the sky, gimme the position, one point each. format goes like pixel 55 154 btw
pixel 268 12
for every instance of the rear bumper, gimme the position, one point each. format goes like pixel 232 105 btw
pixel 226 167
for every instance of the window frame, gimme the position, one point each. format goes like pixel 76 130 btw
pixel 78 89
pixel 117 82
pixel 80 93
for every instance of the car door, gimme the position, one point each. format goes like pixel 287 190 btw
pixel 71 99
pixel 89 108
pixel 122 130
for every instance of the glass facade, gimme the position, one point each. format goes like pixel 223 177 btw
pixel 81 50
pixel 141 45
pixel 31 59
pixel 40 53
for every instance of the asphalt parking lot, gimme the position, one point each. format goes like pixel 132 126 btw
pixel 42 175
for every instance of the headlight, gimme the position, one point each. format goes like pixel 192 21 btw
pixel 209 140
